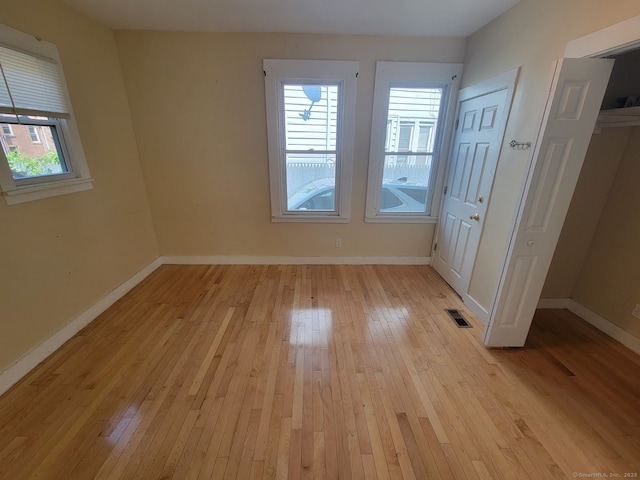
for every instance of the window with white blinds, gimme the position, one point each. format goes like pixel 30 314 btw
pixel 41 154
pixel 30 85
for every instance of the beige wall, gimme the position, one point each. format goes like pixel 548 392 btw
pixel 532 34
pixel 61 255
pixel 198 106
pixel 608 283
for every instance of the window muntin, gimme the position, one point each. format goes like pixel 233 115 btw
pixel 410 118
pixel 41 154
pixel 310 124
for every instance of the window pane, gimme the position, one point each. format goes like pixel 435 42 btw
pixel 408 180
pixel 389 199
pixel 32 151
pixel 425 138
pixel 33 133
pixel 311 182
pixel 412 116
pixel 404 138
pixel 311 117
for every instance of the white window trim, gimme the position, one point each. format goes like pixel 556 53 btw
pixel 14 193
pixel 277 71
pixel 415 75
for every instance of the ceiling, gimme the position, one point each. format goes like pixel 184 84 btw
pixel 457 18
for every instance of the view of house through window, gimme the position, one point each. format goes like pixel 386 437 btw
pixel 412 119
pixel 32 150
pixel 311 145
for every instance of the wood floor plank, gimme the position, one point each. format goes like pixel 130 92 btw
pixel 300 371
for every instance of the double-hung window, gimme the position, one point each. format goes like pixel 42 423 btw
pixel 412 115
pixel 310 127
pixel 41 153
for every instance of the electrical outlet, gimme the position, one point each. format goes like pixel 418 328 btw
pixel 338 242
pixel 636 311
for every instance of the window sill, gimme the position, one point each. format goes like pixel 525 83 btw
pixel 401 219
pixel 29 193
pixel 309 219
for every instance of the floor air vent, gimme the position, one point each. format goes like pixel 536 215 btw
pixel 458 318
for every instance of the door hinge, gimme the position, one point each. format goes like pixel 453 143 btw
pixel 435 247
pixel 455 127
pixel 446 189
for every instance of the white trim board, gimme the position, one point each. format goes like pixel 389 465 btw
pixel 251 260
pixel 503 81
pixel 628 340
pixel 614 39
pixel 477 309
pixel 551 303
pixel 12 374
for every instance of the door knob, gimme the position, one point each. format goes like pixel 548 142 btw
pixel 475 217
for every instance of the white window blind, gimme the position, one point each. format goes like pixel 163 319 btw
pixel 30 85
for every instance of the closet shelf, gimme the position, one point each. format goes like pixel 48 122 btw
pixel 619 117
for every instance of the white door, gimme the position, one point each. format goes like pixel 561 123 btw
pixel 570 115
pixel 482 113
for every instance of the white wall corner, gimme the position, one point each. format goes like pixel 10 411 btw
pixel 12 374
pixel 257 260
pixel 625 338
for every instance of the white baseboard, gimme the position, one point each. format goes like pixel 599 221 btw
pixel 477 309
pixel 628 340
pixel 251 260
pixel 546 303
pixel 33 357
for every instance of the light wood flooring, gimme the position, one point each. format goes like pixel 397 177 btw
pixel 350 372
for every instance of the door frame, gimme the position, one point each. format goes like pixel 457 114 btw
pixel 504 81
pixel 615 39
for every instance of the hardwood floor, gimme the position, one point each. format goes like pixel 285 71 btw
pixel 319 372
